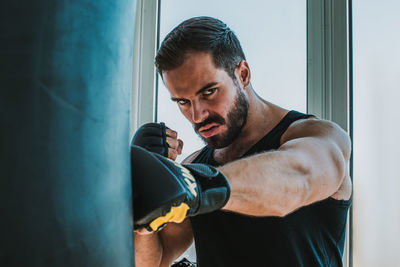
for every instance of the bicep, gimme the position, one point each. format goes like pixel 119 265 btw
pixel 176 238
pixel 321 150
pixel 324 132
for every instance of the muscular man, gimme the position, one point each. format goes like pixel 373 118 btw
pixel 288 172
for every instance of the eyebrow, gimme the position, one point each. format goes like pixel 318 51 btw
pixel 204 88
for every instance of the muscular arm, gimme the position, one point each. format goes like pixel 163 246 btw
pixel 310 165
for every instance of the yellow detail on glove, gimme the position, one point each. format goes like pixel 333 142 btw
pixel 176 214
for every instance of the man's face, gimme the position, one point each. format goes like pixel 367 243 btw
pixel 207 96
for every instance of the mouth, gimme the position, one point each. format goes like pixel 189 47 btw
pixel 209 130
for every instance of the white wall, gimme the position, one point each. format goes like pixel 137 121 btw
pixel 376 133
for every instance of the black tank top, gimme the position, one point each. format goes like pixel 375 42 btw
pixel 311 236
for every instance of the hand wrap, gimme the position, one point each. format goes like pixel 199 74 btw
pixel 153 137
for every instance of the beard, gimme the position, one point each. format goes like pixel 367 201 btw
pixel 236 119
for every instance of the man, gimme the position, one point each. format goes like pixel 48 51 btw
pixel 287 172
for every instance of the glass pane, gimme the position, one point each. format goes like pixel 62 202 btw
pixel 273 37
pixel 376 223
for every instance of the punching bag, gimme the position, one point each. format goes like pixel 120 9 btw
pixel 65 79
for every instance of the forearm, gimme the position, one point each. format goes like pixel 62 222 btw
pixel 279 182
pixel 148 250
pixel 266 191
pixel 163 247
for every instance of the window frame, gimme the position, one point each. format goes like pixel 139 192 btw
pixel 329 79
pixel 144 80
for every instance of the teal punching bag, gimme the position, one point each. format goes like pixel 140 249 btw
pixel 65 80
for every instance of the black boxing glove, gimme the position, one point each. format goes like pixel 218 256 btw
pixel 165 191
pixel 153 137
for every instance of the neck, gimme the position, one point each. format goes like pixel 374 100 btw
pixel 262 116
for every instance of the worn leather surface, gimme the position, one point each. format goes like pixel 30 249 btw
pixel 65 80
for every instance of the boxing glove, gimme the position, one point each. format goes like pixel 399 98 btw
pixel 153 137
pixel 165 191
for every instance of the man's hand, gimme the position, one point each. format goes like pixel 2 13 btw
pixel 165 191
pixel 158 138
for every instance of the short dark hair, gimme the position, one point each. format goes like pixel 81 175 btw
pixel 200 34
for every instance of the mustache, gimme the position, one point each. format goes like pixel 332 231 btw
pixel 212 118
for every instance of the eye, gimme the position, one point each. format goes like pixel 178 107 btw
pixel 182 102
pixel 209 92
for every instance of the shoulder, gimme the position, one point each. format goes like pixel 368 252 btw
pixel 321 129
pixel 309 127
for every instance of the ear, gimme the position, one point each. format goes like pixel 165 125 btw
pixel 243 73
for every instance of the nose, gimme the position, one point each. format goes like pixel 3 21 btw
pixel 199 112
